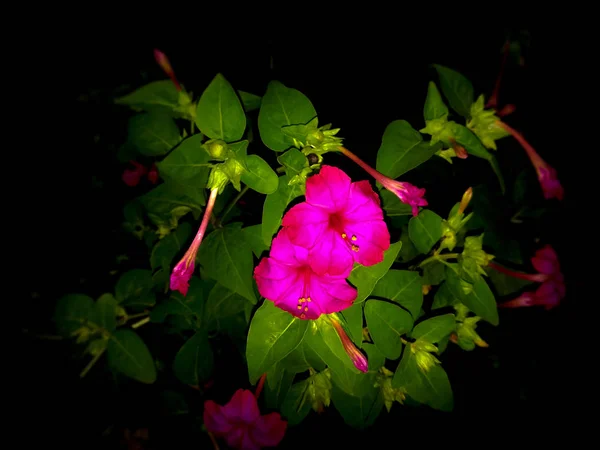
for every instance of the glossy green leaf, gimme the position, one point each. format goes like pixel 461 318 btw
pixel 254 236
pixel 134 289
pixel 194 361
pixel 277 384
pixel 358 412
pixel 282 106
pixel 353 318
pixel 275 205
pixel 250 101
pixel 364 278
pixel 273 335
pixel 190 308
pixel 295 406
pixel 259 175
pixel 443 297
pixel 171 245
pixel 425 230
pixel 408 252
pixel 225 310
pixel 153 134
pixel 160 96
pixel 188 164
pixel 127 354
pixel 387 323
pixel 226 257
pixel 374 356
pixel 106 312
pixel 72 312
pixel 434 329
pixel 303 358
pixel 324 341
pixel 220 114
pixel 402 149
pixel 402 287
pixel 294 161
pixel 478 297
pixel 434 108
pixel 457 89
pixel 392 205
pixel 434 273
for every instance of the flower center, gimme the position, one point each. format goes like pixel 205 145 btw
pixel 337 223
pixel 305 299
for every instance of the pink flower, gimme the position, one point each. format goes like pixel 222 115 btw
pixel 357 357
pixel 340 222
pixel 547 176
pixel 165 65
pixel 288 280
pixel 241 423
pixel 132 177
pixel 406 192
pixel 180 277
pixel 153 174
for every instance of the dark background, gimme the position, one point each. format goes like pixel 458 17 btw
pixel 360 79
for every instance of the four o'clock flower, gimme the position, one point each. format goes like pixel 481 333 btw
pixel 153 174
pixel 547 177
pixel 132 177
pixel 356 356
pixel 180 277
pixel 165 65
pixel 406 192
pixel 339 223
pixel 287 279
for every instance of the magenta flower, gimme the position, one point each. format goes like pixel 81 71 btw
pixel 288 280
pixel 153 174
pixel 340 222
pixel 165 65
pixel 550 292
pixel 357 357
pixel 547 176
pixel 180 277
pixel 406 192
pixel 241 424
pixel 132 177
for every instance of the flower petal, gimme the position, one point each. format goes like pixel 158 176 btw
pixel 331 294
pixel 240 439
pixel 546 261
pixel 331 255
pixel 372 239
pixel 274 279
pixel 305 223
pixel 215 419
pixel 328 189
pixel 363 203
pixel 180 277
pixel 268 430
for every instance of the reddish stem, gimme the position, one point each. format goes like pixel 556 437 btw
pixel 374 173
pixel 261 383
pixel 536 160
pixel 493 101
pixel 538 277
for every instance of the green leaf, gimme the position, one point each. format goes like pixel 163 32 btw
pixel 72 312
pixel 259 175
pixel 226 257
pixel 106 312
pixel 273 335
pixel 353 317
pixel 478 297
pixel 431 388
pixel 470 141
pixel 220 114
pixel 496 169
pixel 402 149
pixel 294 161
pixel 392 205
pixel 275 205
pixel 434 329
pixel 387 323
pixel 374 356
pixel 194 361
pixel 408 252
pixel 358 412
pixel 443 297
pixel 295 406
pixel 457 89
pixel 153 134
pixel 133 289
pixel 505 284
pixel 434 108
pixel 128 354
pixel 425 230
pixel 254 237
pixel 402 287
pixel 364 278
pixel 282 106
pixel 325 342
pixel 434 273
pixel 250 101
pixel 303 358
pixel 226 311
pixel 188 164
pixel 190 308
pixel 277 385
pixel 159 96
pixel 168 247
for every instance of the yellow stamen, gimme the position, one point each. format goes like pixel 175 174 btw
pixel 353 237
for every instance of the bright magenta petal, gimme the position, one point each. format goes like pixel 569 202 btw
pixel 329 189
pixel 274 281
pixel 331 294
pixel 268 430
pixel 546 261
pixel 331 255
pixel 372 239
pixel 305 223
pixel 240 439
pixel 363 203
pixel 215 420
pixel 180 277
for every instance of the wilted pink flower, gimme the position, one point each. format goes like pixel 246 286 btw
pixel 547 176
pixel 241 423
pixel 180 277
pixel 287 279
pixel 165 65
pixel 406 192
pixel 132 177
pixel 357 357
pixel 340 222
pixel 153 174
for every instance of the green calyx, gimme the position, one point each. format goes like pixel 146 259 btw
pixel 319 390
pixel 422 350
pixel 473 258
pixel 440 131
pixel 484 123
pixel 466 337
pixel 312 139
pixel 390 394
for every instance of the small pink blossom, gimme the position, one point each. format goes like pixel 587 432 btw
pixel 288 280
pixel 132 177
pixel 165 65
pixel 340 222
pixel 406 192
pixel 356 356
pixel 182 272
pixel 153 174
pixel 241 424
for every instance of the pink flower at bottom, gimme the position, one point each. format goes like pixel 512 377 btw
pixel 241 424
pixel 153 174
pixel 132 177
pixel 287 279
pixel 407 193
pixel 340 222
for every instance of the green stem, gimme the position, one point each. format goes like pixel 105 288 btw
pixel 440 258
pixel 135 316
pixel 280 169
pixel 219 222
pixel 144 321
pixel 91 363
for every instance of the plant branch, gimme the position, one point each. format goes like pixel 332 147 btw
pixel 439 258
pixel 91 363
pixel 219 222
